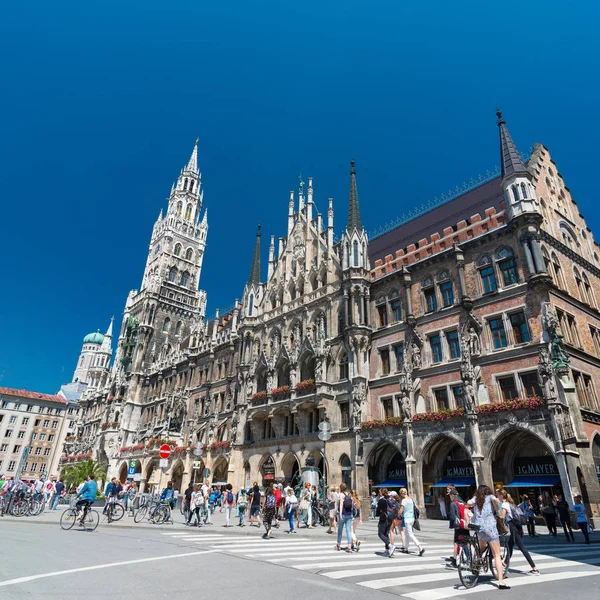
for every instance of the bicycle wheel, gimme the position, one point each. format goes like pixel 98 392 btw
pixel 159 515
pixel 503 556
pixel 468 569
pixel 91 520
pixel 140 514
pixel 117 512
pixel 68 518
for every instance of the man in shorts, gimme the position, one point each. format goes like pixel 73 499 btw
pixel 460 533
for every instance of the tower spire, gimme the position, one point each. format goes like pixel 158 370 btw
pixel 255 271
pixel 510 160
pixel 193 162
pixel 110 329
pixel 354 221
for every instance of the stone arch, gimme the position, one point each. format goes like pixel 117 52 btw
pixel 123 472
pixel 150 473
pixel 266 469
pixel 345 466
pixel 290 468
pixel 220 471
pixel 508 430
pixel 176 476
pixel 378 461
pixel 443 453
pixel 595 445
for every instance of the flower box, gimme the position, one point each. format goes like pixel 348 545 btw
pixel 259 397
pixel 281 393
pixel 113 424
pixel 306 387
pixel 377 424
pixel 439 415
pixel 179 450
pixel 220 445
pixel 104 426
pixel 532 403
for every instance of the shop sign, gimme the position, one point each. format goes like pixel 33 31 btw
pixel 269 476
pixel 458 468
pixel 535 465
pixel 397 468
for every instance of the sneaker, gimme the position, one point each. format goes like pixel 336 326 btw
pixel 347 550
pixel 265 536
pixel 187 525
pixel 392 550
pixel 533 572
pixel 269 535
pixel 452 563
pixel 421 551
pixel 357 546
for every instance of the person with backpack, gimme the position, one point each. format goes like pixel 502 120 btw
pixel 408 512
pixel 529 511
pixel 228 503
pixel 387 511
pixel 242 505
pixel 269 509
pixel 345 519
pixel 460 517
pixel 195 505
pixel 515 519
pixel 356 518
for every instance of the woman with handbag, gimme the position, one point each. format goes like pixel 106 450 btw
pixel 549 513
pixel 507 512
pixel 485 513
pixel 408 515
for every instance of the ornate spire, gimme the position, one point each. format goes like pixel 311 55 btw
pixel 193 162
pixel 110 329
pixel 255 271
pixel 354 221
pixel 510 160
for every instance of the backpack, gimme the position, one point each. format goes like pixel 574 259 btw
pixel 347 506
pixel 271 501
pixel 517 516
pixel 392 508
pixel 229 497
pixel 243 502
pixel 465 516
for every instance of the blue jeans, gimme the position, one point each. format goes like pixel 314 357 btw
pixel 291 514
pixel 54 502
pixel 345 521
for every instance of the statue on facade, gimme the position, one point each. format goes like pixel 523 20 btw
pixel 546 374
pixel 416 356
pixel 359 395
pixel 406 409
pixel 467 371
pixel 558 355
pixel 234 427
pixel 473 341
pixel 269 381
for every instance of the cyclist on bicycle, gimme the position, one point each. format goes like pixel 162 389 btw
pixel 168 494
pixel 87 495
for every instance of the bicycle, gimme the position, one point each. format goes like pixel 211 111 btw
pixel 89 520
pixel 162 513
pixel 114 511
pixel 471 561
pixel 320 514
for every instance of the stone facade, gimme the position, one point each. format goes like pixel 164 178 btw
pixel 407 347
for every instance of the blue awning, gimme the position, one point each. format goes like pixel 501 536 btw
pixel 534 481
pixel 455 481
pixel 392 483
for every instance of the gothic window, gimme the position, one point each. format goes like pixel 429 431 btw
pixel 355 251
pixel 185 279
pixel 547 261
pixel 558 274
pixel 518 322
pixel 588 290
pixel 498 332
pixel 487 274
pixel 567 237
pixel 344 366
pixel 523 191
pixel 188 212
pixel 189 254
pixel 341 320
pixel 185 184
pixel 173 274
pixel 429 295
pixel 177 250
pixel 508 266
pixel 166 325
pixel 436 348
pixel 579 284
pixel 395 306
pixel 453 344
pixel 381 307
pixel 515 191
pixel 178 328
pixel 179 208
pixel 191 185
pixel 446 288
pixel 250 305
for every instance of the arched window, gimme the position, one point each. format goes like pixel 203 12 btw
pixel 558 274
pixel 588 290
pixel 191 185
pixel 508 266
pixel 355 250
pixel 344 366
pixel 166 325
pixel 547 261
pixel 579 285
pixel 446 288
pixel 185 184
pixel 381 307
pixel 179 208
pixel 188 212
pixel 515 191
pixel 523 191
pixel 185 279
pixel 429 295
pixel 178 328
pixel 177 250
pixel 250 305
pixel 189 253
pixel 395 306
pixel 487 274
pixel 341 320
pixel 173 274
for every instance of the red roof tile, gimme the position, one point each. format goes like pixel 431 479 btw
pixel 32 395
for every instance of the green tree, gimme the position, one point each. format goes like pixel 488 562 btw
pixel 75 474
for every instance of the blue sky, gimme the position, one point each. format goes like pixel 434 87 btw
pixel 101 104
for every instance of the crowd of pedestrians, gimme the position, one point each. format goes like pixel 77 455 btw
pixel 46 490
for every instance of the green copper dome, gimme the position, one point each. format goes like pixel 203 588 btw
pixel 93 338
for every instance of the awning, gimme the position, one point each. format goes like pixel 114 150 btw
pixel 534 481
pixel 392 483
pixel 455 481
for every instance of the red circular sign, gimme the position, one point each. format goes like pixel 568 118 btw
pixel 165 451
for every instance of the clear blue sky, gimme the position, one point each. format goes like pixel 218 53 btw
pixel 101 104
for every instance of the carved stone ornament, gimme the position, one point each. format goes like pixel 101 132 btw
pixel 558 355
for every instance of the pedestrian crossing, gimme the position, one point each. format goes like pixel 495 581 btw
pixel 406 575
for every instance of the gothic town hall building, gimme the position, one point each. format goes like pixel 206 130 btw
pixel 462 346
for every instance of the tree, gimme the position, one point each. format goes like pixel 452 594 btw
pixel 75 474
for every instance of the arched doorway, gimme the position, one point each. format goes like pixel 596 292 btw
pixel 291 470
pixel 267 470
pixel 525 464
pixel 387 468
pixel 247 476
pixel 446 463
pixel 346 469
pixel 596 453
pixel 177 477
pixel 123 473
pixel 220 473
pixel 152 477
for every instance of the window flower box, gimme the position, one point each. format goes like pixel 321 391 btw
pixel 281 393
pixel 439 415
pixel 307 386
pixel 220 445
pixel 532 403
pixel 377 424
pixel 259 397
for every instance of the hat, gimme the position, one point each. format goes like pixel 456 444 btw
pixel 393 493
pixel 453 492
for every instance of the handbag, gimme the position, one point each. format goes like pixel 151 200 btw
pixel 501 526
pixel 417 525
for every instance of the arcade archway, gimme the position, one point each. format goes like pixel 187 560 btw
pixel 290 468
pixel 220 471
pixel 387 468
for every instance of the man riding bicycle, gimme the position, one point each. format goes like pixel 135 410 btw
pixel 87 496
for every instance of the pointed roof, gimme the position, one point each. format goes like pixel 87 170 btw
pixel 255 271
pixel 354 221
pixel 510 160
pixel 110 329
pixel 193 162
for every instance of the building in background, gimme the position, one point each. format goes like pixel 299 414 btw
pixel 33 427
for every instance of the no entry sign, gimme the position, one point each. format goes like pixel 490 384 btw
pixel 165 451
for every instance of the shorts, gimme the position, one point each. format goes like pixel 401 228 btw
pixel 461 535
pixel 332 513
pixel 255 511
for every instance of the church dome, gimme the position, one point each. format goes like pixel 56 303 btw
pixel 93 338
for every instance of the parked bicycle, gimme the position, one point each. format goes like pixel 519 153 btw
pixel 87 517
pixel 156 511
pixel 114 511
pixel 472 562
